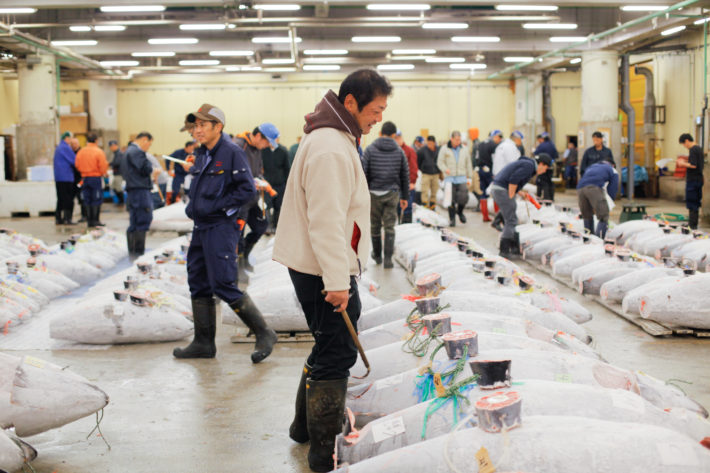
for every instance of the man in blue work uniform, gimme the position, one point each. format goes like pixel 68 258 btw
pixel 591 198
pixel 221 185
pixel 179 171
pixel 64 159
pixel 138 174
pixel 545 188
pixel 693 178
pixel 596 153
pixel 507 183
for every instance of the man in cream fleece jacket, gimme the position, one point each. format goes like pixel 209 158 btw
pixel 323 238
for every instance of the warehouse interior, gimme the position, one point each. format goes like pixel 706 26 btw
pixel 634 71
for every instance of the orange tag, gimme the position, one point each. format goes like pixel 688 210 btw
pixel 440 389
pixel 485 465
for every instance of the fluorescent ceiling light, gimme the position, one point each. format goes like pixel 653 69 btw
pixel 445 26
pixel 376 39
pixel 154 54
pixel 550 26
pixel 109 28
pixel 173 41
pixel 410 58
pixel 273 39
pixel 132 8
pixel 200 71
pixel 673 30
pixel 576 60
pixel 521 18
pixel 414 51
pixel 80 28
pixel 518 59
pixel 199 62
pixel 643 7
pixel 119 63
pixel 526 7
pixel 399 6
pixel 445 59
pixel 202 26
pixel 277 7
pixel 277 60
pixel 395 67
pixel 321 67
pixel 325 52
pixel 321 60
pixel 280 69
pixel 242 68
pixel 476 39
pixel 17 11
pixel 567 39
pixel 467 66
pixel 232 53
pixel 701 21
pixel 75 42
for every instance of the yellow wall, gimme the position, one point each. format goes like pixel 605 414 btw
pixel 566 105
pixel 9 97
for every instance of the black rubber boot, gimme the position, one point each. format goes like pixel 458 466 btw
pixel 377 249
pixel 131 244
pixel 498 222
pixel 204 310
pixel 452 216
pixel 515 248
pixel 693 216
pixel 139 245
pixel 589 225
pixel 299 427
pixel 506 248
pixel 325 403
pixel 68 213
pixel 407 218
pixel 601 229
pixel 389 251
pixel 97 212
pixel 462 217
pixel 252 318
pixel 245 262
pixel 242 276
pixel 84 213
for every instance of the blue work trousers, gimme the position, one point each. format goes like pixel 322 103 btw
pixel 140 210
pixel 212 262
pixel 92 191
pixel 693 194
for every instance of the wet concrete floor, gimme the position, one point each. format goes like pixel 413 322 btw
pixel 227 415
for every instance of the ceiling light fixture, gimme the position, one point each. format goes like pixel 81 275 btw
pixel 234 53
pixel 173 41
pixel 701 21
pixel 80 28
pixel 518 59
pixel 321 67
pixel 467 66
pixel 109 28
pixel 522 18
pixel 75 42
pixel 278 60
pixel 526 7
pixel 445 59
pixel 273 39
pixel 376 39
pixel 576 60
pixel 674 30
pixel 409 58
pixel 132 8
pixel 119 63
pixel 325 52
pixel 567 39
pixel 550 26
pixel 200 71
pixel 280 69
pixel 199 62
pixel 277 7
pixel 643 8
pixel 476 39
pixel 153 54
pixel 399 6
pixel 202 26
pixel 445 26
pixel 332 60
pixel 414 51
pixel 242 68
pixel 17 11
pixel 395 67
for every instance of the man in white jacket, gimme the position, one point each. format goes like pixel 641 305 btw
pixel 323 238
pixel 507 152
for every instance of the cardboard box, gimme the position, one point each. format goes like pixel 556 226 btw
pixel 74 123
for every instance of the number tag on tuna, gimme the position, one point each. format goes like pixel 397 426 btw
pixel 485 465
pixel 389 428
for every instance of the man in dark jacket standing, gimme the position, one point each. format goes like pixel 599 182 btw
pixel 545 187
pixel 485 168
pixel 138 173
pixel 276 168
pixel 590 194
pixel 411 155
pixel 117 182
pixel 221 185
pixel 64 159
pixel 179 173
pixel 693 178
pixel 426 162
pixel 387 174
pixel 596 153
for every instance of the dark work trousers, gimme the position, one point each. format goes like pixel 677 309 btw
pixel 545 187
pixel 275 202
pixel 383 213
pixel 212 262
pixel 258 223
pixel 92 191
pixel 334 351
pixel 592 201
pixel 571 176
pixel 486 178
pixel 177 183
pixel 410 201
pixel 693 194
pixel 65 198
pixel 507 208
pixel 140 210
pixel 459 195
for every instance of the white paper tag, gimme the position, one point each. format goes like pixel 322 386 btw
pixel 677 454
pixel 627 400
pixel 389 382
pixel 118 309
pixel 386 429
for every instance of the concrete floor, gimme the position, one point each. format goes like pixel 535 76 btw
pixel 227 415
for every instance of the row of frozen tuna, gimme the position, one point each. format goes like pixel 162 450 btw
pixel 32 273
pixel 36 396
pixel 670 291
pixel 467 376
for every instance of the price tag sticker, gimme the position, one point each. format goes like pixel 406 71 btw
pixel 387 429
pixel 32 361
pixel 440 389
pixel 485 465
pixel 563 377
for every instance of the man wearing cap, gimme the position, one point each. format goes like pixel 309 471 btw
pixel 485 168
pixel 507 152
pixel 222 184
pixel 418 143
pixel 138 173
pixel 507 183
pixel 262 137
pixel 596 153
pixel 323 238
pixel 117 181
pixel 91 163
pixel 457 169
pixel 179 172
pixel 64 159
pixel 591 198
pixel 545 187
pixel 276 169
pixel 411 155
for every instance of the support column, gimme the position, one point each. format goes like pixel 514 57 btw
pixel 600 101
pixel 103 99
pixel 37 133
pixel 528 110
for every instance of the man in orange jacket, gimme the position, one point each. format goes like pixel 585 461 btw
pixel 91 163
